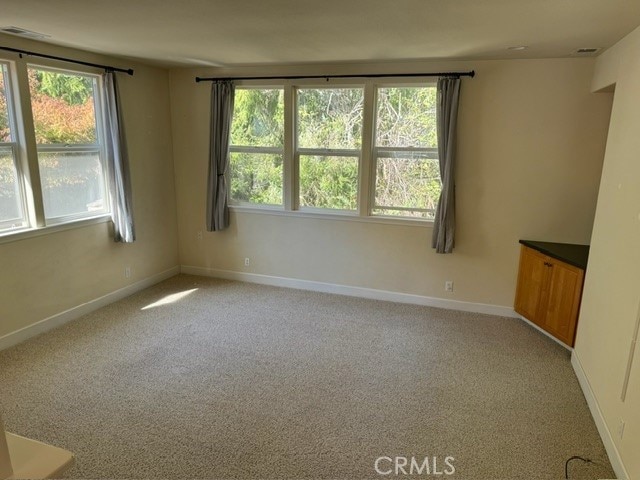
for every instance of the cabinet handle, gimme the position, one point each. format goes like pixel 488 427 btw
pixel 547 264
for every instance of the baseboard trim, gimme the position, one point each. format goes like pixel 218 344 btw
pixel 61 318
pixel 544 332
pixel 350 291
pixel 596 413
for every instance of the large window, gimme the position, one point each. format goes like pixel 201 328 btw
pixel 65 180
pixel 257 146
pixel 367 150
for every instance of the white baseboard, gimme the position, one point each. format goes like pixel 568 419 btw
pixel 544 332
pixel 61 318
pixel 596 413
pixel 351 291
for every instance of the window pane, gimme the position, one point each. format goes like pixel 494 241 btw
pixel 63 107
pixel 329 182
pixel 72 183
pixel 330 117
pixel 10 199
pixel 408 181
pixel 5 127
pixel 407 170
pixel 256 178
pixel 258 118
pixel 406 117
pixel 64 114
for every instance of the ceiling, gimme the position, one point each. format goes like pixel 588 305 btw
pixel 247 32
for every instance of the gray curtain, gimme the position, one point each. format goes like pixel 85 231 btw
pixel 447 116
pixel 222 95
pixel 118 164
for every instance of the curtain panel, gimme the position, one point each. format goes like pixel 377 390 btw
pixel 444 224
pixel 222 97
pixel 118 164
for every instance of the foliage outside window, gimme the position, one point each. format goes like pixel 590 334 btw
pixel 67 131
pixel 329 144
pixel 257 147
pixel 369 149
pixel 69 147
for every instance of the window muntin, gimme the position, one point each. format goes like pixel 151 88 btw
pixel 405 154
pixel 12 204
pixel 66 109
pixel 329 140
pixel 257 147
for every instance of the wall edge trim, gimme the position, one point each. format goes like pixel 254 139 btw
pixel 598 417
pixel 350 291
pixel 58 319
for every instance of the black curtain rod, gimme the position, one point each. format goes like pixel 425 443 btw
pixel 327 77
pixel 53 57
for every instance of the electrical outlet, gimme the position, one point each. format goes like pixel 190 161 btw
pixel 246 262
pixel 199 235
pixel 448 286
pixel 621 429
pixel 127 272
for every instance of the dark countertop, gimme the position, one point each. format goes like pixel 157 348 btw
pixel 576 255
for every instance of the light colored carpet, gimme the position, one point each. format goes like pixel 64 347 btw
pixel 241 381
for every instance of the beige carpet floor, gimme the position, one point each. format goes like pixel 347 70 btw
pixel 204 378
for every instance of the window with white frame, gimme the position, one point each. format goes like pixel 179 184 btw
pixel 367 149
pixel 68 130
pixel 329 141
pixel 405 154
pixel 12 204
pixel 65 180
pixel 257 146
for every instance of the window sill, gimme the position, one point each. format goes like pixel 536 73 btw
pixel 347 216
pixel 22 234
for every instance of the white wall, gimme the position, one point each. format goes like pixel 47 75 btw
pixel 45 275
pixel 531 144
pixel 612 285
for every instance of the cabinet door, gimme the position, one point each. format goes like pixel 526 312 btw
pixel 533 278
pixel 563 302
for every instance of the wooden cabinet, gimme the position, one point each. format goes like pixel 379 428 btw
pixel 549 293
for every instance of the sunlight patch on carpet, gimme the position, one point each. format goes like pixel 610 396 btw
pixel 169 299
